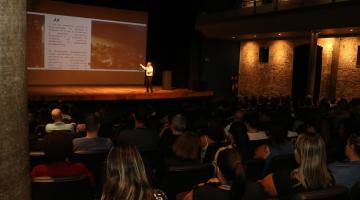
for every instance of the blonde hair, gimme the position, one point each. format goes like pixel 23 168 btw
pixel 126 176
pixel 312 172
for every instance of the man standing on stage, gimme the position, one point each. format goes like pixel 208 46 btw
pixel 148 75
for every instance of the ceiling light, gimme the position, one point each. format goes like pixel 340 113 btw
pixel 233 37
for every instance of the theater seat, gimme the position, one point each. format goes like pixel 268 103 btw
pixel 254 169
pixel 183 178
pixel 66 188
pixel 281 162
pixel 336 192
pixel 36 158
pixel 94 161
pixel 355 191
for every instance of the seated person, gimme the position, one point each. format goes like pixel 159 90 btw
pixel 58 124
pixel 229 182
pixel 169 136
pixel 312 173
pixel 185 150
pixel 126 177
pixel 251 121
pixel 240 140
pixel 92 142
pixel 141 136
pixel 58 148
pixel 211 140
pixel 347 173
pixel 278 145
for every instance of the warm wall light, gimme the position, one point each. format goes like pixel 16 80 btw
pixel 279 34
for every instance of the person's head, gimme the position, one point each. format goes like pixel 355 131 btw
pixel 56 114
pixel 140 117
pixel 352 148
pixel 238 115
pixel 148 64
pixel 251 120
pixel 92 123
pixel 57 146
pixel 310 153
pixel 178 123
pixel 126 177
pixel 237 130
pixel 229 170
pixel 277 133
pixel 186 146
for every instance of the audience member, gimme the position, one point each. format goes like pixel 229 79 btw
pixel 58 124
pixel 58 148
pixel 185 150
pixel 347 173
pixel 126 177
pixel 92 142
pixel 312 173
pixel 169 136
pixel 141 137
pixel 229 182
pixel 211 140
pixel 278 145
pixel 251 121
pixel 241 140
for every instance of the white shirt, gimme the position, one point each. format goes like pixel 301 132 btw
pixel 148 70
pixel 260 135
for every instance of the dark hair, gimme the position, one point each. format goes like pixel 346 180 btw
pixel 186 146
pixel 252 119
pixel 229 163
pixel 215 130
pixel 57 146
pixel 238 132
pixel 92 122
pixel 277 133
pixel 140 114
pixel 355 140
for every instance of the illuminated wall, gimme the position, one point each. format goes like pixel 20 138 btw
pixel 266 79
pixel 275 77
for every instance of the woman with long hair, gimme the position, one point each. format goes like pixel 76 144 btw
pixel 312 173
pixel 126 177
pixel 229 182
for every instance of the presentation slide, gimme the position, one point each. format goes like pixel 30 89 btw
pixel 59 42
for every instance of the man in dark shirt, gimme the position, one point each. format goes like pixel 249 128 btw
pixel 91 142
pixel 141 137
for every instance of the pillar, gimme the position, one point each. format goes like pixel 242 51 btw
pixel 334 69
pixel 14 159
pixel 312 63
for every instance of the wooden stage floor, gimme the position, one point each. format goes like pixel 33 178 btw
pixel 89 93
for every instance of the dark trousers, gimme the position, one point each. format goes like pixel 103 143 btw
pixel 148 83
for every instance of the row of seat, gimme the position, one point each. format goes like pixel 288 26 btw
pixel 176 179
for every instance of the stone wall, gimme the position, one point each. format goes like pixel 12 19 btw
pixel 275 77
pixel 267 79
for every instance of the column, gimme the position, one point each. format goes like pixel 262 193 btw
pixel 334 69
pixel 312 63
pixel 14 159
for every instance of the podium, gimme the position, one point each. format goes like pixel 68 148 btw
pixel 166 80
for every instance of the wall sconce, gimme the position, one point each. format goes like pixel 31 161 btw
pixel 264 55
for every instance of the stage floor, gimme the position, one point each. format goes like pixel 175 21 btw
pixel 88 93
